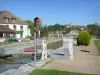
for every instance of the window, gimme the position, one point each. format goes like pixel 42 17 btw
pixel 14 27
pixel 1 34
pixel 6 20
pixel 21 27
pixel 7 26
pixel 13 19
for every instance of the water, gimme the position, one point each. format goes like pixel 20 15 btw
pixel 16 65
pixel 6 67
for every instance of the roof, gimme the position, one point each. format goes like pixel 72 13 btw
pixel 74 32
pixel 5 29
pixel 10 16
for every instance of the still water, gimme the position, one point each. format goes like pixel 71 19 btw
pixel 16 65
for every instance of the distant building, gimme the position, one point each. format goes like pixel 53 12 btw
pixel 82 27
pixel 68 25
pixel 12 26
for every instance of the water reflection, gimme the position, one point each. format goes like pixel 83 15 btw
pixel 6 67
pixel 16 65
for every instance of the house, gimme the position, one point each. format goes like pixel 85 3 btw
pixel 12 26
pixel 68 25
pixel 5 32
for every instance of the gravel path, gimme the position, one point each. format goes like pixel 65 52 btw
pixel 84 62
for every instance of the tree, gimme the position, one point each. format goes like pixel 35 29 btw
pixel 30 26
pixel 93 29
pixel 44 31
pixel 55 27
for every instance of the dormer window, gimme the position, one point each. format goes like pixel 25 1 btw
pixel 13 19
pixel 6 19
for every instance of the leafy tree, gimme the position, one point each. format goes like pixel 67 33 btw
pixel 92 29
pixel 44 32
pixel 30 26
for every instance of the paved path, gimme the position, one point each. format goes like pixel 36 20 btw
pixel 84 62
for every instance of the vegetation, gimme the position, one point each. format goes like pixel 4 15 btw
pixel 6 43
pixel 2 61
pixel 9 59
pixel 52 45
pixel 25 40
pixel 94 29
pixel 83 38
pixel 30 26
pixel 44 32
pixel 51 28
pixel 54 72
pixel 97 43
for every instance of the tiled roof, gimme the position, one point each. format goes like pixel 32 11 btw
pixel 5 29
pixel 10 16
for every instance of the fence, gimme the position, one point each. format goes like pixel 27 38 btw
pixel 18 48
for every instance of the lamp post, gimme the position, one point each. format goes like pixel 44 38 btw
pixel 36 20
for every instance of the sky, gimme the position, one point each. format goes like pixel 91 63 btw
pixel 78 12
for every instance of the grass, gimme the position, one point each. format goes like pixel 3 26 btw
pixel 24 40
pixel 6 61
pixel 6 43
pixel 97 43
pixel 54 72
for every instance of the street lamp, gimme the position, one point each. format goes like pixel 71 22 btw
pixel 36 20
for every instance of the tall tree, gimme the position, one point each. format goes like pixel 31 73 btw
pixel 44 31
pixel 30 26
pixel 92 29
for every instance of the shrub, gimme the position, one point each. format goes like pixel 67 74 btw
pixel 83 38
pixel 89 35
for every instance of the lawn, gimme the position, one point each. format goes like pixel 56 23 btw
pixel 54 72
pixel 97 43
pixel 6 43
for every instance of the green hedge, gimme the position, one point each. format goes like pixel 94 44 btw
pixel 83 38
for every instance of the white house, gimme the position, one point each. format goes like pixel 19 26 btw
pixel 14 23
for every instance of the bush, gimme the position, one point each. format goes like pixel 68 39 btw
pixel 89 35
pixel 83 38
